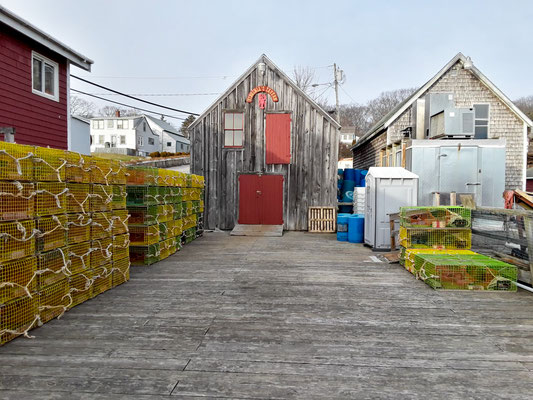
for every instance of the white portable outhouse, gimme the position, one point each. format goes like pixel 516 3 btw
pixel 387 189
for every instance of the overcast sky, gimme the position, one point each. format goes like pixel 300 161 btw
pixel 199 47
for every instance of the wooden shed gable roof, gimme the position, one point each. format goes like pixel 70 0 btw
pixel 285 77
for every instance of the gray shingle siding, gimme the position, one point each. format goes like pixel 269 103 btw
pixel 503 123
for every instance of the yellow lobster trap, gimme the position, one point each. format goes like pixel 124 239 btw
pixel 80 287
pixel 52 267
pixel 117 176
pixel 436 238
pixel 77 168
pixel 120 271
pixel 80 257
pixel 101 197
pixel 120 221
pixel 49 165
pixel 118 197
pixel 103 279
pixel 16 201
pixel 17 279
pixel 101 170
pixel 410 254
pixel 78 197
pixel 17 317
pixel 52 232
pixel 16 162
pixel 54 301
pixel 121 244
pixel 50 198
pixel 102 252
pixel 17 240
pixel 78 228
pixel 101 225
pixel 144 235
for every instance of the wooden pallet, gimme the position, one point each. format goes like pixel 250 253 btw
pixel 322 219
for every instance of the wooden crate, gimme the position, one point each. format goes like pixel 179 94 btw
pixel 322 219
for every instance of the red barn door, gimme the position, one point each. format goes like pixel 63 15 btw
pixel 278 139
pixel 261 199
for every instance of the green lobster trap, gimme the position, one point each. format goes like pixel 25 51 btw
pixel 144 255
pixel 144 215
pixel 142 195
pixel 465 272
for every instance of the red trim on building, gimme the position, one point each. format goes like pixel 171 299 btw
pixel 278 139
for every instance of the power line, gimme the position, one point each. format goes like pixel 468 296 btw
pixel 126 105
pixel 158 94
pixel 348 94
pixel 134 98
pixel 164 77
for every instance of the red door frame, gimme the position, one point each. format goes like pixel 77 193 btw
pixel 261 199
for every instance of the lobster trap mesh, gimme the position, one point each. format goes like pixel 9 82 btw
pixel 163 231
pixel 17 317
pixel 178 211
pixel 80 257
pixel 101 252
pixel 141 176
pixel 148 215
pixel 16 201
pixel 101 197
pixel 101 225
pixel 78 198
pixel 410 254
pixel 50 198
pixel 103 279
pixel 144 235
pixel 77 168
pixel 16 162
pixel 101 169
pixel 52 232
pixel 17 279
pixel 120 221
pixel 120 271
pixel 142 195
pixel 436 238
pixel 165 213
pixel 435 217
pixel 121 245
pixel 118 197
pixel 52 267
pixel 144 255
pixel 117 175
pixel 80 287
pixel 49 165
pixel 465 272
pixel 54 301
pixel 78 228
pixel 17 240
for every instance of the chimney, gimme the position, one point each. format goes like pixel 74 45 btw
pixel 117 113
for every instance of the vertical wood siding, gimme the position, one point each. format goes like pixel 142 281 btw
pixel 37 120
pixel 310 178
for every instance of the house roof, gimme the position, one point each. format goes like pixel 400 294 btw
pixel 21 25
pixel 81 119
pixel 264 59
pixel 178 138
pixel 164 125
pixel 393 115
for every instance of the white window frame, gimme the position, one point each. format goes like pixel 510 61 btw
pixel 140 141
pixel 482 119
pixel 46 60
pixel 122 139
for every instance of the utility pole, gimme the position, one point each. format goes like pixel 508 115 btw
pixel 336 81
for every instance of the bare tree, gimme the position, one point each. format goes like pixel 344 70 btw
pixel 385 102
pixel 110 111
pixel 304 78
pixel 526 105
pixel 81 107
pixel 355 115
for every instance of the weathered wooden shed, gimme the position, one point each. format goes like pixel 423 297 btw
pixel 267 151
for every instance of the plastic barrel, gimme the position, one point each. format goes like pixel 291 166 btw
pixel 356 228
pixel 342 227
pixel 363 177
pixel 349 174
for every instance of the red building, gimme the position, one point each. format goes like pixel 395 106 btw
pixel 34 83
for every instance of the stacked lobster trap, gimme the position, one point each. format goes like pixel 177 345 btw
pixel 64 233
pixel 166 209
pixel 435 246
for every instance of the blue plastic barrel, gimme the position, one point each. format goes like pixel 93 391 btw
pixel 342 227
pixel 347 191
pixel 362 181
pixel 356 228
pixel 349 174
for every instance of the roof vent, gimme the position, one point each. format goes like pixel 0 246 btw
pixel 468 64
